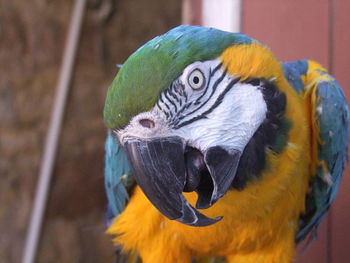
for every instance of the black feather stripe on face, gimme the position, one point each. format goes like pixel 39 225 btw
pixel 271 135
pixel 178 124
pixel 215 105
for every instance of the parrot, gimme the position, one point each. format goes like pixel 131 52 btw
pixel 216 150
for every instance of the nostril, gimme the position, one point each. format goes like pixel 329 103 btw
pixel 147 123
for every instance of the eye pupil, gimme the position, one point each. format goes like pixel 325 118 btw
pixel 195 80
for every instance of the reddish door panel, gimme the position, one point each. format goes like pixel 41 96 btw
pixel 293 29
pixel 341 44
pixel 340 232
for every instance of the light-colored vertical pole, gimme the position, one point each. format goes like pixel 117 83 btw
pixel 222 14
pixel 54 130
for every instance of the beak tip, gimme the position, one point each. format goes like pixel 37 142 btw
pixel 192 217
pixel 211 222
pixel 201 222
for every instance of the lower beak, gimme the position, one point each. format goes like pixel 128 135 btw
pixel 160 169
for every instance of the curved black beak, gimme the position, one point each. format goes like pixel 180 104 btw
pixel 164 168
pixel 158 166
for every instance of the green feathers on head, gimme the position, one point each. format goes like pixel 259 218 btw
pixel 155 65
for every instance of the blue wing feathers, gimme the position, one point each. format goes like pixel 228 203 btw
pixel 293 72
pixel 116 169
pixel 332 117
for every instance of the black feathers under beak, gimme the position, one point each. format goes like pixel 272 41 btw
pixel 165 167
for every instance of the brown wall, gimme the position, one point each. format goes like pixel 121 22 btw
pixel 32 34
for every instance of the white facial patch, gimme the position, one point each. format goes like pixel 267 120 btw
pixel 231 124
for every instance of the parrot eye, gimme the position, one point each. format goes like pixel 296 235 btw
pixel 196 79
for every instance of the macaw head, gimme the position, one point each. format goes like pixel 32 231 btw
pixel 189 107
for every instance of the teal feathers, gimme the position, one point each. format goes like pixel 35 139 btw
pixel 333 117
pixel 293 72
pixel 117 177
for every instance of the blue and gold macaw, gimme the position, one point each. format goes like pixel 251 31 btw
pixel 234 153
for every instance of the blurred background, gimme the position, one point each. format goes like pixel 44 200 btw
pixel 32 39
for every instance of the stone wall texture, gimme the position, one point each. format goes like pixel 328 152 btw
pixel 32 35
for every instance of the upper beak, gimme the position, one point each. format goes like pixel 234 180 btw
pixel 164 169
